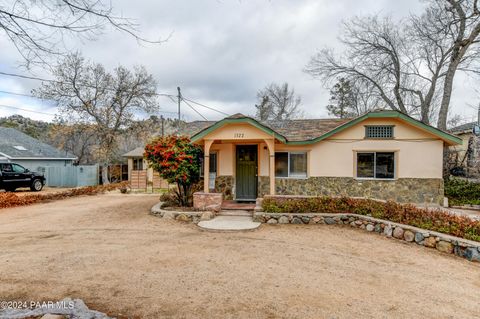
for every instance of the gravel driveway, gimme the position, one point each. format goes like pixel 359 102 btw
pixel 109 252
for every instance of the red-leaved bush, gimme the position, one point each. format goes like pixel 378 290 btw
pixel 12 199
pixel 435 220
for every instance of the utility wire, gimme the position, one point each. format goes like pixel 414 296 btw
pixel 171 96
pixel 26 110
pixel 195 110
pixel 205 106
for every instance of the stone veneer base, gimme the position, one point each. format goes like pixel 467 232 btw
pixel 445 243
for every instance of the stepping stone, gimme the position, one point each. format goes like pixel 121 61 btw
pixel 229 223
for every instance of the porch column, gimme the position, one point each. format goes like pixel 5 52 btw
pixel 206 165
pixel 271 167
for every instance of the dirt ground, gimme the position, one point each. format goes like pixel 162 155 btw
pixel 110 252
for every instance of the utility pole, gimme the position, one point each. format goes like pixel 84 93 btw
pixel 179 96
pixel 163 127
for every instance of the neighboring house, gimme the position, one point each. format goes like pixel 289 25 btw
pixel 382 154
pixel 140 176
pixel 29 152
pixel 467 154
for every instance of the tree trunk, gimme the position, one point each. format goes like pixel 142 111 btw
pixel 447 95
pixel 105 180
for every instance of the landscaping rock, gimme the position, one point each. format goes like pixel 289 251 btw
pixel 419 237
pixel 183 218
pixel 52 316
pixel 207 216
pixel 329 220
pixel 305 219
pixel 169 215
pixel 387 231
pixel 272 221
pixel 378 228
pixel 370 227
pixel 472 254
pixel 316 220
pixel 296 220
pixel 430 242
pixel 398 232
pixel 283 220
pixel 213 208
pixel 445 247
pixel 408 236
pixel 358 222
pixel 362 226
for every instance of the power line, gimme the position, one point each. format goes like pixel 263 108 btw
pixel 60 82
pixel 20 94
pixel 195 110
pixel 26 110
pixel 205 106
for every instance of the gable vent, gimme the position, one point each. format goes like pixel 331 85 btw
pixel 379 131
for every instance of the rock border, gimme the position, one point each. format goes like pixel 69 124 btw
pixel 183 216
pixel 464 248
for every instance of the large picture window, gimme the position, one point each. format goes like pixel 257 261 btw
pixel 291 164
pixel 380 165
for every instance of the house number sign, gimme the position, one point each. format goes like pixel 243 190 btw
pixel 238 135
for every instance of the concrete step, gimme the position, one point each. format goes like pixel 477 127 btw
pixel 231 212
pixel 229 223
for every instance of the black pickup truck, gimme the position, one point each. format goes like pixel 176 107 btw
pixel 13 176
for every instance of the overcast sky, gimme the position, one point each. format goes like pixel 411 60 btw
pixel 222 52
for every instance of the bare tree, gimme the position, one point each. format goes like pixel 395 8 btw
pixel 86 93
pixel 405 67
pixel 278 102
pixel 77 139
pixel 37 28
pixel 463 28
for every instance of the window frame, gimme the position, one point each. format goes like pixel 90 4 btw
pixel 380 138
pixel 288 165
pixel 202 169
pixel 395 165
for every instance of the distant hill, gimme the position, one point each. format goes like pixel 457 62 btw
pixel 34 128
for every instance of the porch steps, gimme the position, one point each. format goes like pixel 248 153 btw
pixel 229 224
pixel 232 212
pixel 236 206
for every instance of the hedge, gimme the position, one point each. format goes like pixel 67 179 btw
pixel 461 192
pixel 9 199
pixel 435 220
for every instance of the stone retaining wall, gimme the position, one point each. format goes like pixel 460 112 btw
pixel 402 190
pixel 445 243
pixel 183 216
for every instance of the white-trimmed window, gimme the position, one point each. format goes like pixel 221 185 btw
pixel 291 164
pixel 377 165
pixel 379 131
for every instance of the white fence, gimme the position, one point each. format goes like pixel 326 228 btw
pixel 71 176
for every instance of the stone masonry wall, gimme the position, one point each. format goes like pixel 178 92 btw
pixel 207 201
pixel 263 186
pixel 402 190
pixel 224 184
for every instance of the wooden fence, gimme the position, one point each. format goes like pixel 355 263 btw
pixel 139 180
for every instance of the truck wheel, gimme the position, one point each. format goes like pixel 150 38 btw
pixel 37 185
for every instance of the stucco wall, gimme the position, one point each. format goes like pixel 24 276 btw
pixel 419 154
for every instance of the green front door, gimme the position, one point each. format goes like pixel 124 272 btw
pixel 246 174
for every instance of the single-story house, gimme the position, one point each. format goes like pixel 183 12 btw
pixel 31 153
pixel 382 154
pixel 140 175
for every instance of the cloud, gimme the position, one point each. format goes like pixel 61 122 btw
pixel 221 52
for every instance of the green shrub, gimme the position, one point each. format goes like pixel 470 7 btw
pixel 461 192
pixel 435 220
